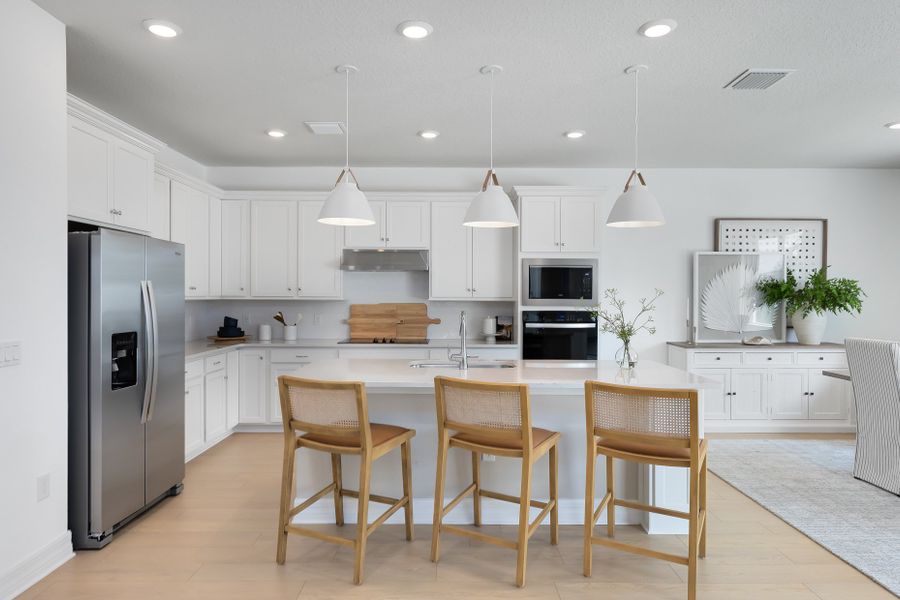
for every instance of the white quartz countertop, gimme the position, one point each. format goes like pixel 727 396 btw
pixel 201 348
pixel 542 377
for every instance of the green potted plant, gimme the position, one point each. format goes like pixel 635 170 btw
pixel 809 305
pixel 613 321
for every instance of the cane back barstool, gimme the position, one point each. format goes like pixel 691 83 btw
pixel 334 416
pixel 651 426
pixel 492 418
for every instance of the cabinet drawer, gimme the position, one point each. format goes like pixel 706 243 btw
pixel 193 368
pixel 215 363
pixel 296 355
pixel 768 358
pixel 822 359
pixel 717 358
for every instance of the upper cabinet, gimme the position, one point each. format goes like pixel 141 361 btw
pixel 110 169
pixel 273 248
pixel 560 220
pixel 319 259
pixel 398 224
pixel 190 226
pixel 160 208
pixel 235 248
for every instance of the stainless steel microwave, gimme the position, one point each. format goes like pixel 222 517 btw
pixel 559 282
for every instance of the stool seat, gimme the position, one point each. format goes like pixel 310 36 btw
pixel 650 450
pixel 381 434
pixel 538 437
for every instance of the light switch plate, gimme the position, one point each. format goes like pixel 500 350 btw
pixel 43 487
pixel 10 354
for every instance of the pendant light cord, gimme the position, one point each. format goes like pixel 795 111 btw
pixel 636 72
pixel 347 145
pixel 492 120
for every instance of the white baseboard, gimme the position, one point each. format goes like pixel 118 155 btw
pixel 35 567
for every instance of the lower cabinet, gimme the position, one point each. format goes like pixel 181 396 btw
pixel 252 386
pixel 193 416
pixel 787 394
pixel 233 389
pixel 216 395
pixel 288 361
pixel 210 401
pixel 748 394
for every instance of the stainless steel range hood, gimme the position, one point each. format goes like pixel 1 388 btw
pixel 384 259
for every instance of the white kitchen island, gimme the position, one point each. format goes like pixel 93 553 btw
pixel 401 394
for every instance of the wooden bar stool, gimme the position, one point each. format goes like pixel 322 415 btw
pixel 335 417
pixel 651 426
pixel 492 418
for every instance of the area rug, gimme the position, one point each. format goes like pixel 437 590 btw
pixel 810 484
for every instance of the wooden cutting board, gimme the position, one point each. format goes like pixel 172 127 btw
pixel 400 322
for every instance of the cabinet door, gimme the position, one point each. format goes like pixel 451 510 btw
pixel 492 263
pixel 232 388
pixel 160 209
pixel 539 224
pixel 407 224
pixel 235 248
pixel 89 176
pixel 451 252
pixel 252 385
pixel 748 393
pixel 320 255
pixel 275 371
pixel 827 396
pixel 190 226
pixel 787 394
pixel 132 185
pixel 215 247
pixel 717 402
pixel 579 224
pixel 215 411
pixel 368 236
pixel 273 248
pixel 193 415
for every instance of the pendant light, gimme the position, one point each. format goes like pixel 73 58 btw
pixel 491 207
pixel 637 206
pixel 346 205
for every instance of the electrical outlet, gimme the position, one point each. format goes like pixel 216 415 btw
pixel 488 458
pixel 43 487
pixel 317 319
pixel 10 354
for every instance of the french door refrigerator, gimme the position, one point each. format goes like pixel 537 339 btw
pixel 126 379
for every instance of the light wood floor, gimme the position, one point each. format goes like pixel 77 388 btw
pixel 217 541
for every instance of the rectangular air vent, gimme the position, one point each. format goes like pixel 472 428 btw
pixel 758 79
pixel 325 127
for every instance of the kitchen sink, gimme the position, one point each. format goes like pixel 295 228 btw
pixel 439 364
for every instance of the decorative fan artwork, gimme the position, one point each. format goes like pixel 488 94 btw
pixel 731 303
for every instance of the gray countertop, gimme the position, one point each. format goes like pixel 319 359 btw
pixel 201 348
pixel 772 347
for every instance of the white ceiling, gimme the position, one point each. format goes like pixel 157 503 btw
pixel 242 66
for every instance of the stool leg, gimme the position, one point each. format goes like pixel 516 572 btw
pixel 406 460
pixel 554 497
pixel 693 540
pixel 441 472
pixel 703 507
pixel 589 506
pixel 524 504
pixel 476 479
pixel 362 519
pixel 611 507
pixel 287 496
pixel 338 487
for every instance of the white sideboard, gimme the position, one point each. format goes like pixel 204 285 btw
pixel 770 388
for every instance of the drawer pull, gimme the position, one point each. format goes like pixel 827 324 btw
pixel 821 358
pixel 301 356
pixel 718 358
pixel 768 358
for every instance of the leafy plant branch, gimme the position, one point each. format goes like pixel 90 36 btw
pixel 613 320
pixel 819 294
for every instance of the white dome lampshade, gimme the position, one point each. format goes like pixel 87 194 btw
pixel 491 208
pixel 346 205
pixel 636 207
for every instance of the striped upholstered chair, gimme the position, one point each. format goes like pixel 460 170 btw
pixel 875 372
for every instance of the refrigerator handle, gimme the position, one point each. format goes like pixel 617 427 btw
pixel 149 367
pixel 155 350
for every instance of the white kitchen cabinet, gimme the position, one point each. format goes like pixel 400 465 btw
pixel 717 402
pixel 132 185
pixel 252 385
pixel 232 388
pixel 539 224
pixel 398 224
pixel 319 256
pixel 190 226
pixel 580 224
pixel 828 397
pixel 273 248
pixel 368 236
pixel 235 248
pixel 407 352
pixel 560 224
pixel 215 248
pixel 492 263
pixel 748 394
pixel 160 208
pixel 193 416
pixel 788 394
pixel 215 410
pixel 275 371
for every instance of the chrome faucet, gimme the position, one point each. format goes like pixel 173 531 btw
pixel 463 356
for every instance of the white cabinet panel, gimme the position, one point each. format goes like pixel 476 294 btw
pixel 407 353
pixel 407 224
pixel 539 224
pixel 215 248
pixel 232 388
pixel 273 248
pixel 193 415
pixel 190 226
pixel 216 419
pixel 828 397
pixel 235 238
pixel 748 393
pixel 160 210
pixel 368 236
pixel 717 402
pixel 580 224
pixel 492 263
pixel 132 185
pixel 252 385
pixel 89 172
pixel 787 394
pixel 450 251
pixel 319 255
pixel 275 371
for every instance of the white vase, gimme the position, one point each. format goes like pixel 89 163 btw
pixel 810 328
pixel 290 333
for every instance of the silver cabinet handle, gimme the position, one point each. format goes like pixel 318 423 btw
pixel 563 244
pixel 301 356
pixel 474 290
pixel 769 358
pixel 556 243
pixel 260 358
pixel 242 289
pixel 821 358
pixel 186 392
pixel 192 288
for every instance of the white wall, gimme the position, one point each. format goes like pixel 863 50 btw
pixel 863 208
pixel 33 395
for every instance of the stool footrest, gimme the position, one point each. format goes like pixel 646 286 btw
pixel 675 558
pixel 654 509
pixel 458 499
pixel 477 535
pixel 600 508
pixel 541 516
pixel 335 539
pixel 372 497
pixel 512 499
pixel 312 499
pixel 387 514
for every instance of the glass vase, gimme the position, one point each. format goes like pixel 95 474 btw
pixel 626 355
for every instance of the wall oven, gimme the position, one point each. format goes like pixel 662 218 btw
pixel 559 282
pixel 559 335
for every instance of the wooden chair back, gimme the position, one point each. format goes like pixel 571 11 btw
pixel 337 409
pixel 498 411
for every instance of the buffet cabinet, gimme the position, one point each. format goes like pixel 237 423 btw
pixel 769 388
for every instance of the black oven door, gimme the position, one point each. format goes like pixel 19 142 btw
pixel 560 341
pixel 546 282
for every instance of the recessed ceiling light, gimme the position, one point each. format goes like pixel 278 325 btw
pixel 415 30
pixel 574 134
pixel 163 29
pixel 276 133
pixel 895 125
pixel 429 134
pixel 657 28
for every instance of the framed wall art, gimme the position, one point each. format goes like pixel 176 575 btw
pixel 727 306
pixel 804 242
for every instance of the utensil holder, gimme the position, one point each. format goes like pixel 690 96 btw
pixel 290 333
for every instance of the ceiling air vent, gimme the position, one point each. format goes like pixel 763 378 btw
pixel 758 79
pixel 325 127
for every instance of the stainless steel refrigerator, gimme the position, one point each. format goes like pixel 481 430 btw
pixel 126 379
